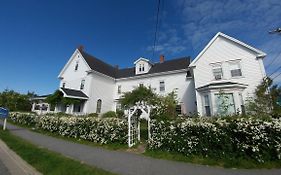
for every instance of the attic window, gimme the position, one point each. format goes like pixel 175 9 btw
pixel 76 66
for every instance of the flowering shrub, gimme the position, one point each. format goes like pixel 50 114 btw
pixel 252 137
pixel 98 130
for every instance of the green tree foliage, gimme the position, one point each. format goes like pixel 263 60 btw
pixel 140 94
pixel 15 101
pixel 265 100
pixel 57 97
pixel 164 106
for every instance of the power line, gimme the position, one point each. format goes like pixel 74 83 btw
pixel 156 27
pixel 275 71
pixel 273 60
pixel 276 76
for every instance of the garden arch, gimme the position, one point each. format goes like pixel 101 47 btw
pixel 134 122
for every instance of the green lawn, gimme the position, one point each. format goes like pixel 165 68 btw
pixel 45 161
pixel 226 163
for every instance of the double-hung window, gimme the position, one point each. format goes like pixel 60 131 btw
pixel 217 72
pixel 119 89
pixel 82 84
pixel 235 69
pixel 207 105
pixel 162 86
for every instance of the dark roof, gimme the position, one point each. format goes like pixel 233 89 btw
pixel 74 93
pixel 106 69
pixel 98 65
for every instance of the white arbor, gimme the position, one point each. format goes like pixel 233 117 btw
pixel 134 121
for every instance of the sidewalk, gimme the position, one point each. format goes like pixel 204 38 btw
pixel 124 162
pixel 12 164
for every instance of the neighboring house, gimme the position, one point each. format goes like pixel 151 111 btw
pixel 40 106
pixel 225 67
pixel 226 72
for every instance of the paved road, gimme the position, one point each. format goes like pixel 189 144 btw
pixel 126 163
pixel 3 169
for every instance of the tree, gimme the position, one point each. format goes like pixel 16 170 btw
pixel 164 106
pixel 15 101
pixel 265 101
pixel 57 98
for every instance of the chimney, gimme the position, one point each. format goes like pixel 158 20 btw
pixel 162 58
pixel 81 48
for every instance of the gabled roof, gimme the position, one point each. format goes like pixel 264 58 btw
pixel 106 69
pixel 73 93
pixel 259 53
pixel 98 65
pixel 141 59
pixel 166 66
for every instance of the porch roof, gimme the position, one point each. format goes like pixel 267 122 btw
pixel 73 93
pixel 222 85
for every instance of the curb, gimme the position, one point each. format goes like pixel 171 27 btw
pixel 15 164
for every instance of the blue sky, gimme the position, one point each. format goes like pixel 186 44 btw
pixel 37 37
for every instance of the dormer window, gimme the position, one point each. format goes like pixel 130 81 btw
pixel 142 66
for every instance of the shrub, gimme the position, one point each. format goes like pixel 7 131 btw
pixel 98 130
pixel 228 137
pixel 109 114
pixel 92 115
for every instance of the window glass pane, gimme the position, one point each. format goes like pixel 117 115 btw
pixel 98 106
pixel 217 71
pixel 225 104
pixel 235 69
pixel 119 89
pixel 162 86
pixel 82 84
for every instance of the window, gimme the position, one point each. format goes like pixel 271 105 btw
pixel 207 105
pixel 63 84
pixel 76 66
pixel 178 109
pixel 119 89
pixel 162 86
pixel 140 67
pixel 141 85
pixel 99 102
pixel 143 67
pixel 235 69
pixel 82 84
pixel 217 72
pixel 225 104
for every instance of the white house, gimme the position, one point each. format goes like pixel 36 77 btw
pixel 224 65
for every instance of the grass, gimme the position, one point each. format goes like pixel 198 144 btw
pixel 226 163
pixel 45 161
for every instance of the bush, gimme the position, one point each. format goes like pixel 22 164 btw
pixel 92 115
pixel 109 114
pixel 229 137
pixel 98 130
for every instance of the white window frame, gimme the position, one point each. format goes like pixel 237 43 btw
pixel 76 66
pixel 82 84
pixel 119 89
pixel 162 88
pixel 207 104
pixel 238 62
pixel 216 67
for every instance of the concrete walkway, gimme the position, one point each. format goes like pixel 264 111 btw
pixel 12 164
pixel 126 163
